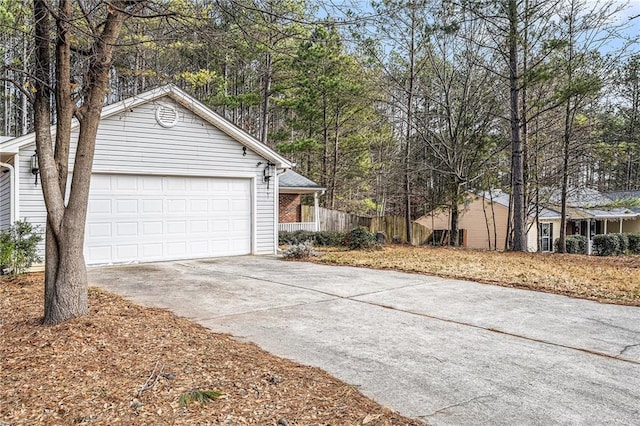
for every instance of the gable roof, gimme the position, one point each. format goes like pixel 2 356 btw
pixel 295 182
pixel 185 100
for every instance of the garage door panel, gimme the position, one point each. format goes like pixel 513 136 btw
pixel 152 251
pixel 126 206
pixel 151 218
pixel 126 252
pixel 198 226
pixel 98 206
pixel 152 206
pixel 177 206
pixel 199 205
pixel 127 229
pixel 176 227
pixel 97 230
pixel 149 183
pixel 152 228
pixel 126 183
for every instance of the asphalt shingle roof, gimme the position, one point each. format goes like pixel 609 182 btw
pixel 291 179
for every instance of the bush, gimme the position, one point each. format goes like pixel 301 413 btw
pixel 19 247
pixel 361 239
pixel 608 244
pixel 322 238
pixel 329 238
pixel 634 243
pixel 290 238
pixel 299 251
pixel 623 241
pixel 576 244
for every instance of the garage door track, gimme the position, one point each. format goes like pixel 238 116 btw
pixel 441 350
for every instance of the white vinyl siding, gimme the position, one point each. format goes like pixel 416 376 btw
pixel 132 142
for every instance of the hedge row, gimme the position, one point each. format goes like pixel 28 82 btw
pixel 356 239
pixel 321 238
pixel 604 244
pixel 616 244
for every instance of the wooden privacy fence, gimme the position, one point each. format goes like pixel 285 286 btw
pixel 391 226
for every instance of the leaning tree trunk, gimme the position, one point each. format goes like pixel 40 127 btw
pixel 65 271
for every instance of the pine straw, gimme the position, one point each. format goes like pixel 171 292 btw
pixel 94 370
pixel 605 279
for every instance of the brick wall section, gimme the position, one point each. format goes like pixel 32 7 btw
pixel 290 210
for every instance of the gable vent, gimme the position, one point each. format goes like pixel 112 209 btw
pixel 166 115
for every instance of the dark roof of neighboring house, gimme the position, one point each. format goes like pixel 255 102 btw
pixel 293 180
pixel 582 196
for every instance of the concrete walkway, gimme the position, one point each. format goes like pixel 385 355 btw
pixel 444 351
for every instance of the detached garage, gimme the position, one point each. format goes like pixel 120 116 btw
pixel 171 180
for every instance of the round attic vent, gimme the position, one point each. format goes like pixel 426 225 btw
pixel 166 115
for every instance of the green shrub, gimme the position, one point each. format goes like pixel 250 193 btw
pixel 19 247
pixel 290 238
pixel 576 244
pixel 623 241
pixel 634 243
pixel 329 238
pixel 322 238
pixel 299 251
pixel 607 245
pixel 361 239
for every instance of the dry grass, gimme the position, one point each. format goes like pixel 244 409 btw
pixel 606 279
pixel 124 364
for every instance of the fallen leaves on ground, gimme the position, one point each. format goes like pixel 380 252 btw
pixel 125 364
pixel 606 279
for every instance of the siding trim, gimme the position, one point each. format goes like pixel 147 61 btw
pixel 254 215
pixel 16 186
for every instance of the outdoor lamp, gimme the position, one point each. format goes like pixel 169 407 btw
pixel 267 173
pixel 35 167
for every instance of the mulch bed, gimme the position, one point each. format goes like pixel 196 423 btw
pixel 125 364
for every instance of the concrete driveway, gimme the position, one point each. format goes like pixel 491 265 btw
pixel 444 351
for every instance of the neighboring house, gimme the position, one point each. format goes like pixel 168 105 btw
pixel 171 180
pixel 483 219
pixel 292 186
pixel 482 222
pixel 590 212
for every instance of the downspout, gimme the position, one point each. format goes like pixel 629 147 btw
pixel 13 211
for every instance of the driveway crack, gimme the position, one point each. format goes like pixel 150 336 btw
pixel 626 348
pixel 458 404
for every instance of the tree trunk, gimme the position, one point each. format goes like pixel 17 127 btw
pixel 517 165
pixel 455 215
pixel 65 271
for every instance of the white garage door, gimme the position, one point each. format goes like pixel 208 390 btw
pixel 150 218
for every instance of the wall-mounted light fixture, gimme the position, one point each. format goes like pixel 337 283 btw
pixel 35 167
pixel 268 171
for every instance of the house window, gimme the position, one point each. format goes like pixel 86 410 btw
pixel 546 237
